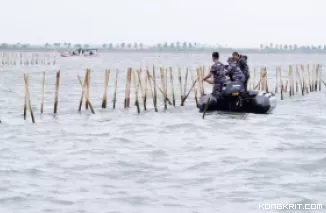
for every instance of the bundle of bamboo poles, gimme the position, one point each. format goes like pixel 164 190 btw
pixel 146 84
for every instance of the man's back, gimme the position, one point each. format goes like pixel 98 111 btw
pixel 242 63
pixel 235 73
pixel 218 72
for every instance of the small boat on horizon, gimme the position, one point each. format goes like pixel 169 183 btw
pixel 80 52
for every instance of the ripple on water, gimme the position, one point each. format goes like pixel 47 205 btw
pixel 171 161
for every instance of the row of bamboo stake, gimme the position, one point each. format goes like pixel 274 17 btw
pixel 23 58
pixel 145 81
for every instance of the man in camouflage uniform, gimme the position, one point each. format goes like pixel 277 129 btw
pixel 234 72
pixel 242 63
pixel 218 73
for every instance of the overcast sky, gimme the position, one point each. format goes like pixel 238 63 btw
pixel 235 23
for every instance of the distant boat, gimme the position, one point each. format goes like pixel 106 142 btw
pixel 80 52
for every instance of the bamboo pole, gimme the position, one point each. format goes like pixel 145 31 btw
pixel 145 89
pixel 172 86
pixel 150 87
pixel 106 82
pixel 83 91
pixel 154 84
pixel 139 72
pixel 43 91
pixel 115 89
pixel 164 88
pixel 195 88
pixel 185 85
pixel 57 84
pixel 254 79
pixel 25 102
pixel 127 94
pixel 319 76
pixel 161 90
pixel 180 82
pixel 136 86
pixel 28 97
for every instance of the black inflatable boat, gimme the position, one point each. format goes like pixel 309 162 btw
pixel 233 99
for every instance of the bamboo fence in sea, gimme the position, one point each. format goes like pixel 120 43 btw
pixel 27 58
pixel 148 86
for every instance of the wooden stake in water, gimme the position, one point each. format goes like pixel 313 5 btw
pixel 195 88
pixel 186 96
pixel 180 82
pixel 145 89
pixel 43 90
pixel 115 89
pixel 128 85
pixel 88 79
pixel 57 84
pixel 25 102
pixel 164 89
pixel 136 86
pixel 106 83
pixel 150 85
pixel 26 77
pixel 155 94
pixel 319 76
pixel 206 107
pixel 172 86
pixel 83 91
pixel 185 88
pixel 139 72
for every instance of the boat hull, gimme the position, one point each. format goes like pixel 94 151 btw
pixel 254 102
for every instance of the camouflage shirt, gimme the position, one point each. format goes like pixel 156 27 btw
pixel 218 72
pixel 235 73
pixel 242 63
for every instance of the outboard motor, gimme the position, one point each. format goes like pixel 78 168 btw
pixel 232 89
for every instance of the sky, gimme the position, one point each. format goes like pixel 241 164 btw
pixel 233 23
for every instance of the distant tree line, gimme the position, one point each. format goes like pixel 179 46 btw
pixel 173 46
pixel 292 48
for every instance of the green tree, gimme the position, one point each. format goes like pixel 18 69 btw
pixel 136 45
pixel 86 46
pixel 184 45
pixel 110 46
pixel 172 45
pixel 123 45
pixel 141 45
pixel 178 45
pixel 104 46
pixel 165 45
pixel 129 45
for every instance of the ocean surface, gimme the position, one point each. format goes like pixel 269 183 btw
pixel 119 161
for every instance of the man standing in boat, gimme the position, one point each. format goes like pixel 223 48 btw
pixel 218 73
pixel 234 72
pixel 242 63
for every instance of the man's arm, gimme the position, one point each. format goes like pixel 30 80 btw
pixel 208 79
